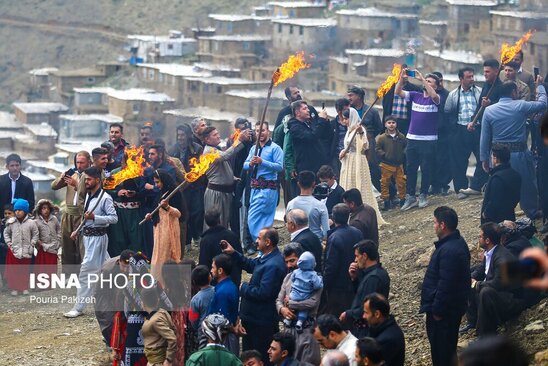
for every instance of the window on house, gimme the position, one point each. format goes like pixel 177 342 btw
pixel 151 74
pixel 279 28
pixel 219 89
pixel 531 49
pixel 301 30
pixel 229 27
pixel 91 80
pixel 136 107
pixel 466 28
pixel 290 29
pixel 246 46
pixel 170 46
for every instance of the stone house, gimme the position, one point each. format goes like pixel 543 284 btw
pixel 374 60
pixel 86 127
pixel 250 103
pixel 152 48
pixel 36 113
pixel 40 83
pixel 91 100
pixel 465 18
pixel 296 9
pixel 449 61
pixel 229 24
pixel 238 50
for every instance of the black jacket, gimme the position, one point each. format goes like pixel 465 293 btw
pixel 446 284
pixel 23 189
pixel 516 244
pixel 210 247
pixel 493 278
pixel 372 279
pixel 388 99
pixel 334 197
pixel 338 256
pixel 335 127
pixel 391 340
pixel 286 111
pixel 310 143
pixel 502 194
pixel 311 243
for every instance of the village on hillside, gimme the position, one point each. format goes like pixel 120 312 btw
pixel 222 70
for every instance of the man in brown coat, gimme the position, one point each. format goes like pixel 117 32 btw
pixel 362 216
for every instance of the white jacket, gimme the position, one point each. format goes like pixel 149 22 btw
pixel 50 233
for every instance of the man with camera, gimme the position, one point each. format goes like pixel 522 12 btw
pixel 74 200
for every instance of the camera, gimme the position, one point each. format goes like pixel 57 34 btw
pixel 516 272
pixel 321 191
pixel 70 172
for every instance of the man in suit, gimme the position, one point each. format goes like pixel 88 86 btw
pixel 491 301
pixel 13 184
pixel 297 226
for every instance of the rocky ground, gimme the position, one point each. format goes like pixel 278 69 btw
pixel 37 334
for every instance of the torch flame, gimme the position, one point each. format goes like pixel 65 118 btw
pixel 200 167
pixel 289 68
pixel 507 52
pixel 135 166
pixel 236 135
pixel 390 81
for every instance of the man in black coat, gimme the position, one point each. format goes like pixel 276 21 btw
pixel 512 238
pixel 368 277
pixel 210 245
pixel 502 192
pixel 446 287
pixel 338 291
pixel 13 184
pixel 297 226
pixel 491 301
pixel 384 329
pixel 311 138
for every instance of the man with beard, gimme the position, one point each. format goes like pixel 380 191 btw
pixel 74 201
pixel 145 136
pixel 99 213
pixel 307 349
pixel 373 126
pixel 186 149
pixel 99 158
pixel 293 94
pixel 198 126
pixel 116 136
pixel 220 175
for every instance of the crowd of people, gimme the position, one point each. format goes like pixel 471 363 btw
pixel 326 286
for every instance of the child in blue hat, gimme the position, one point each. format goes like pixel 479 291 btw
pixel 21 236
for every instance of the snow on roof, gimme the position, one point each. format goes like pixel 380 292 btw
pixel 377 13
pixel 74 146
pixel 8 121
pixel 236 17
pixel 381 52
pixel 147 95
pixel 215 67
pixel 307 22
pixel 151 38
pixel 43 71
pixel 42 129
pixel 177 69
pixel 295 4
pixel 94 89
pixel 472 2
pixel 433 22
pixel 341 60
pixel 205 112
pixel 221 80
pixel 237 38
pixel 41 107
pixel 457 56
pixel 520 14
pixel 108 118
pixel 255 94
pixel 34 176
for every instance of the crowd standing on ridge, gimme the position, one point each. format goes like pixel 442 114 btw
pixel 327 287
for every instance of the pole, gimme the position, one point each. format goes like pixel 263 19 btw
pixel 474 120
pixel 361 122
pixel 263 116
pixel 180 187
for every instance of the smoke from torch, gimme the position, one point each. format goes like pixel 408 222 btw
pixel 507 52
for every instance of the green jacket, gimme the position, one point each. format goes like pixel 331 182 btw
pixel 283 139
pixel 213 355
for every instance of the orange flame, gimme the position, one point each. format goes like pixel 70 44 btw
pixel 390 81
pixel 507 52
pixel 289 68
pixel 236 135
pixel 200 167
pixel 135 166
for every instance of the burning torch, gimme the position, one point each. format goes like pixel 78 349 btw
pixel 507 54
pixel 390 81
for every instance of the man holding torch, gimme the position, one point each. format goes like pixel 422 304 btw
pixel 264 164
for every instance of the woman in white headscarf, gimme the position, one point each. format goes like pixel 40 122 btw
pixel 354 168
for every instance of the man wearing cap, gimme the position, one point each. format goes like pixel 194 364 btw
pixel 373 126
pixel 99 213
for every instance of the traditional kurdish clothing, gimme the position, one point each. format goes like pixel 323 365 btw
pixel 95 241
pixel 355 169
pixel 21 238
pixel 167 240
pixel 264 186
pixel 220 185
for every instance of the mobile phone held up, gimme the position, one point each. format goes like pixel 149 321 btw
pixel 70 172
pixel 516 272
pixel 536 72
pixel 411 73
pixel 223 244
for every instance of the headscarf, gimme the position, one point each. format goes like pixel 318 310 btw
pixel 354 121
pixel 216 327
pixel 168 185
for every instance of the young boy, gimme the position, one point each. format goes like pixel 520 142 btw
pixel 326 175
pixel 304 282
pixel 158 330
pixel 199 304
pixel 391 151
pixel 21 235
pixel 8 213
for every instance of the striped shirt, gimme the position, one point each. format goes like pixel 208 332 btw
pixel 467 106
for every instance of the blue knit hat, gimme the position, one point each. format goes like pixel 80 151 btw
pixel 20 204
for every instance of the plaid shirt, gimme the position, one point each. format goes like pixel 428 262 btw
pixel 399 107
pixel 467 106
